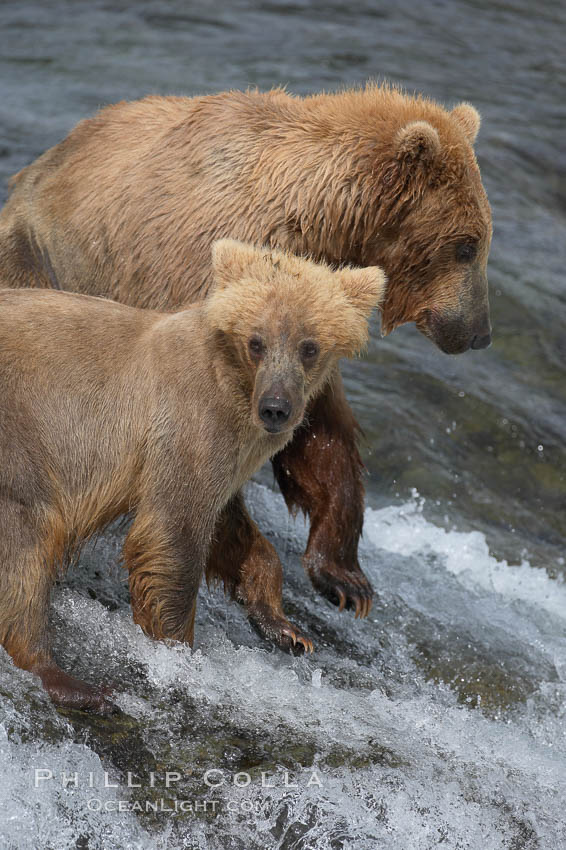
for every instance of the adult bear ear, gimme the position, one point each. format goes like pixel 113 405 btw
pixel 418 142
pixel 364 288
pixel 231 260
pixel 468 119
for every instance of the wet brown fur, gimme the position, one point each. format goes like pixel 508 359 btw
pixel 107 410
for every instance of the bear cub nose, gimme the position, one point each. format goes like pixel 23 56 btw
pixel 274 412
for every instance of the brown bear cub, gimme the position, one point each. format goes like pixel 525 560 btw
pixel 107 409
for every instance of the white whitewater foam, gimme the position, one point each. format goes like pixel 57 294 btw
pixel 401 763
pixel 404 530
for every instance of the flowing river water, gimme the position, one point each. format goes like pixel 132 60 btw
pixel 440 720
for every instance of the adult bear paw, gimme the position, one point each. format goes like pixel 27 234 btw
pixel 277 629
pixel 347 588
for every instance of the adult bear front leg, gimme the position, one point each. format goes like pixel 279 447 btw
pixel 320 472
pixel 250 570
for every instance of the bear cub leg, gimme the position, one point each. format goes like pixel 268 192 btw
pixel 165 560
pixel 26 576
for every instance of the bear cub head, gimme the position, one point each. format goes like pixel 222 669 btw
pixel 284 322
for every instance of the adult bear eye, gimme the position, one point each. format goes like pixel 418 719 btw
pixel 256 347
pixel 466 252
pixel 309 350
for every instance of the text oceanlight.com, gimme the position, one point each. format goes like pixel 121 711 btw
pixel 168 783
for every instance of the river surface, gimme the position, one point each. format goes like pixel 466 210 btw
pixel 440 720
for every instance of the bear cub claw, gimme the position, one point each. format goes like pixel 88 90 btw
pixel 277 629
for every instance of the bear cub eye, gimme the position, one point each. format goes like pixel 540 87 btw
pixel 309 350
pixel 256 347
pixel 466 252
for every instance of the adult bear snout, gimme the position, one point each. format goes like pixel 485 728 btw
pixel 481 341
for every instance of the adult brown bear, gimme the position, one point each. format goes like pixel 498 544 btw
pixel 129 203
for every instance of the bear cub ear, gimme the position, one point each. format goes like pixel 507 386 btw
pixel 364 288
pixel 231 260
pixel 468 119
pixel 418 142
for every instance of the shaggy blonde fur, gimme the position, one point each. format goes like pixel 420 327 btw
pixel 106 409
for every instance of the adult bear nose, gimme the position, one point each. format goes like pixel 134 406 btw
pixel 481 341
pixel 274 412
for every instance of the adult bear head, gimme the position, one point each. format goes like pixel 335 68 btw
pixel 402 190
pixel 441 237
